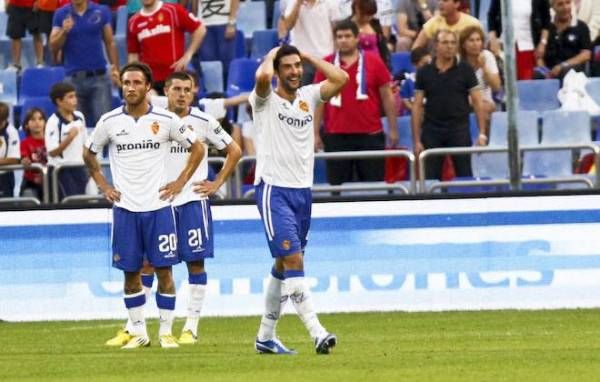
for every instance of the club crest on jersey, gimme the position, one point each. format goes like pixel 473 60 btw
pixel 155 127
pixel 286 245
pixel 161 17
pixel 303 106
pixel 116 257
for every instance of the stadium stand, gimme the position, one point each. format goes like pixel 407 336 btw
pixel 538 95
pixel 36 82
pixel 262 42
pixel 252 16
pixel 241 76
pixel 212 76
pixel 400 62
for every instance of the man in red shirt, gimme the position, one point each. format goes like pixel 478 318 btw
pixel 156 36
pixel 352 119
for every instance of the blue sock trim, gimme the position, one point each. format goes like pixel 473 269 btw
pixel 293 273
pixel 277 275
pixel 165 301
pixel 147 280
pixel 198 279
pixel 134 300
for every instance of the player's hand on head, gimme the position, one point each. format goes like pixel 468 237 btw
pixel 169 190
pixel 206 187
pixel 112 194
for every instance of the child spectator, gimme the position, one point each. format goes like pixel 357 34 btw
pixel 65 136
pixel 9 152
pixel 419 58
pixel 33 150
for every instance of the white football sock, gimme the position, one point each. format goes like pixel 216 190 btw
pixel 274 302
pixel 301 298
pixel 197 293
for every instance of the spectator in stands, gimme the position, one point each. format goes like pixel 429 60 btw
pixel 370 33
pixel 65 136
pixel 9 152
pixel 569 45
pixel 310 25
pixel 33 150
pixel 447 84
pixel 352 118
pixel 22 17
pixel 156 36
pixel 449 18
pixel 220 18
pixel 411 15
pixel 419 58
pixel 385 15
pixel 45 14
pixel 531 20
pixel 114 5
pixel 483 63
pixel 589 13
pixel 79 30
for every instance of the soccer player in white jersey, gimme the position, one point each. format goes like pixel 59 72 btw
pixel 284 174
pixel 139 138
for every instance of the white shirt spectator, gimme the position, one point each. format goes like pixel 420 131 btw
pixel 57 128
pixel 312 32
pixel 491 66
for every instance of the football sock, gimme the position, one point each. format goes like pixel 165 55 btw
pixel 166 310
pixel 135 307
pixel 197 288
pixel 147 281
pixel 295 285
pixel 274 302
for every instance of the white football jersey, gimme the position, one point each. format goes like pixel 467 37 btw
pixel 139 151
pixel 57 128
pixel 207 129
pixel 285 138
pixel 10 146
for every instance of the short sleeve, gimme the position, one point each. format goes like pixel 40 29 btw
pixel 491 65
pixel 51 135
pixel 14 146
pixel 187 20
pixel 430 27
pixel 312 93
pixel 58 18
pixel 257 102
pixel 584 31
pixel 289 7
pixel 98 139
pixel 179 133
pixel 106 15
pixel 133 45
pixel 217 135
pixel 421 80
pixel 470 78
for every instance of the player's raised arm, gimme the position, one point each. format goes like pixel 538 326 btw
pixel 264 74
pixel 336 78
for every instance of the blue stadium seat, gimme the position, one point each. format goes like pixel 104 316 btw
pixel 36 82
pixel 495 165
pixel 558 127
pixel 8 86
pixel 400 62
pixel 43 103
pixel 593 89
pixel 240 45
pixel 241 76
pixel 538 95
pixel 404 131
pixel 252 16
pixel 262 42
pixel 212 76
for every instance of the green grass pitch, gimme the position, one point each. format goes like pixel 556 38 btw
pixel 561 345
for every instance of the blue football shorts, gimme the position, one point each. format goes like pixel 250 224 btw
pixel 194 230
pixel 285 213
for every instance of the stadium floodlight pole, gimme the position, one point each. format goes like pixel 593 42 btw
pixel 510 78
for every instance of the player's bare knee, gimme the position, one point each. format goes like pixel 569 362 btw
pixel 195 267
pixel 165 280
pixel 133 282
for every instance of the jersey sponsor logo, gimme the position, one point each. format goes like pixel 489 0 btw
pixel 159 29
pixel 144 145
pixel 295 122
pixel 303 106
pixel 179 150
pixel 122 133
pixel 218 130
pixel 155 127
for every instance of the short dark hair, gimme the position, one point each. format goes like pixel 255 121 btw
pixel 137 67
pixel 365 7
pixel 417 54
pixel 59 90
pixel 345 25
pixel 183 76
pixel 284 50
pixel 29 116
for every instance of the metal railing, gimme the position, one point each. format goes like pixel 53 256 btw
pixel 424 155
pixel 36 167
pixel 104 163
pixel 347 155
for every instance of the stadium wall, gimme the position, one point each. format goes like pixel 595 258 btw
pixel 413 255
